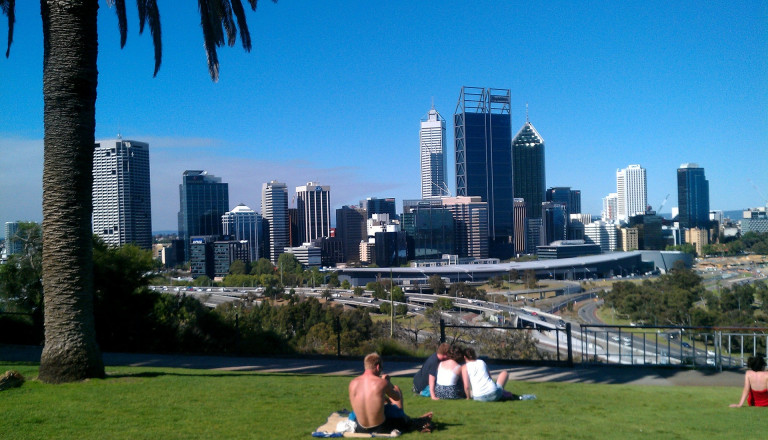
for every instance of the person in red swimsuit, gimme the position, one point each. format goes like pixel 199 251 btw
pixel 755 384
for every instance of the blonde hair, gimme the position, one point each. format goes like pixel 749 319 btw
pixel 371 361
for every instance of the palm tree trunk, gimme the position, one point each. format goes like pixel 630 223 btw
pixel 69 91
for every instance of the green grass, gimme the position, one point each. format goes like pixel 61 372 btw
pixel 164 403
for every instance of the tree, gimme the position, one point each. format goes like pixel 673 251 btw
pixel 529 277
pixel 70 75
pixel 238 267
pixel 262 267
pixel 437 284
pixel 21 276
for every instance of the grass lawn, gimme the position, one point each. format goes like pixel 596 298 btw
pixel 164 403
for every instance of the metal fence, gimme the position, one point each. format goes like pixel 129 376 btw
pixel 697 347
pixel 679 347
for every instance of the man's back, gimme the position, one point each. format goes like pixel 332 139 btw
pixel 366 394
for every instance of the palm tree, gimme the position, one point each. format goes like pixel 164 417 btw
pixel 70 76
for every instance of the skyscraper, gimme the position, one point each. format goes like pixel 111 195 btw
pixel 243 224
pixel 483 140
pixel 610 207
pixel 203 200
pixel 274 209
pixel 122 209
pixel 351 228
pixel 631 192
pixel 529 172
pixel 313 203
pixel 692 196
pixel 432 152
pixel 471 217
pixel 12 243
pixel 374 205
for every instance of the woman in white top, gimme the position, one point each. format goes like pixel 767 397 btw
pixel 478 383
pixel 447 383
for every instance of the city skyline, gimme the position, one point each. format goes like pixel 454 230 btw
pixel 613 91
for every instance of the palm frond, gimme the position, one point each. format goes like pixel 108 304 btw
pixel 122 21
pixel 209 39
pixel 153 18
pixel 245 35
pixel 229 24
pixel 8 7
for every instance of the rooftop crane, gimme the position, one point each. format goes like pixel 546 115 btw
pixel 663 203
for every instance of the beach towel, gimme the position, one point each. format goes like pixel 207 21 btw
pixel 338 421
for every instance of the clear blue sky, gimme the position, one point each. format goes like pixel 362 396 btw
pixel 333 92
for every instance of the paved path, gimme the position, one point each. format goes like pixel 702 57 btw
pixel 349 367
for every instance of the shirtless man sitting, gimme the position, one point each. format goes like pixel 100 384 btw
pixel 377 403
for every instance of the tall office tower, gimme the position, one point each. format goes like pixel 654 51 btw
pixel 471 217
pixel 122 209
pixel 313 203
pixel 203 200
pixel 375 205
pixel 432 152
pixel 293 227
pixel 564 195
pixel 610 208
pixel 483 140
pixel 274 209
pixel 12 244
pixel 554 222
pixel 351 228
pixel 631 193
pixel 243 224
pixel 529 172
pixel 692 196
pixel 521 221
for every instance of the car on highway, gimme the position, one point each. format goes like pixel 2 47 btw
pixel 626 339
pixel 615 338
pixel 685 344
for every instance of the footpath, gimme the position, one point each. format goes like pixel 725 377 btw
pixel 630 375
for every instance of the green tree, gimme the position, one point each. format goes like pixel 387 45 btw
pixel 345 285
pixel 21 285
pixel 70 75
pixel 529 278
pixel 238 267
pixel 288 263
pixel 437 284
pixel 262 267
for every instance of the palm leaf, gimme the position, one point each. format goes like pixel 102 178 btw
pixel 209 41
pixel 122 21
pixel 152 16
pixel 245 36
pixel 8 8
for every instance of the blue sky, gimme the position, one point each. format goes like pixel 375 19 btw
pixel 333 93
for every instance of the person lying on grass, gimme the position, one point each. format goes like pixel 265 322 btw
pixel 377 404
pixel 755 384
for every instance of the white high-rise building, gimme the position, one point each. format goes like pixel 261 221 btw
pixel 432 152
pixel 603 234
pixel 274 209
pixel 610 208
pixel 313 205
pixel 631 192
pixel 122 209
pixel 243 224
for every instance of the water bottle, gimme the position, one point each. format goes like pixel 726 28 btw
pixel 528 397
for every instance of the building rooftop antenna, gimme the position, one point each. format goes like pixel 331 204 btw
pixel 527 121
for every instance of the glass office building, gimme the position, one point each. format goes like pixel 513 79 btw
pixel 483 139
pixel 204 198
pixel 529 172
pixel 692 196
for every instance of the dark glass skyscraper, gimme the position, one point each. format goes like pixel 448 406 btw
pixel 483 138
pixel 203 200
pixel 529 171
pixel 375 205
pixel 692 196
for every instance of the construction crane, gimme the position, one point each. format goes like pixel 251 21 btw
pixel 765 199
pixel 663 203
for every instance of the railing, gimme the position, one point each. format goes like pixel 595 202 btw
pixel 697 347
pixel 562 339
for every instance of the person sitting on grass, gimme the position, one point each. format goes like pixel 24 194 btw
pixel 755 384
pixel 424 380
pixel 478 383
pixel 378 404
pixel 448 383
